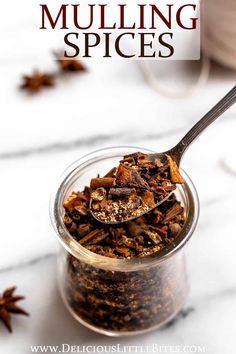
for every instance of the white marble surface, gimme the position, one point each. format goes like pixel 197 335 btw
pixel 111 105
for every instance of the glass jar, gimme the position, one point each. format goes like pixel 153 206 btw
pixel 112 296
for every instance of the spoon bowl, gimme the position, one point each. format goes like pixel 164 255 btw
pixel 108 222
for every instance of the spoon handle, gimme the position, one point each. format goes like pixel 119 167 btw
pixel 225 103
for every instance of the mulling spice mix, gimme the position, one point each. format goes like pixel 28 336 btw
pixel 135 300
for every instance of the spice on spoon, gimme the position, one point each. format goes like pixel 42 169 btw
pixel 133 188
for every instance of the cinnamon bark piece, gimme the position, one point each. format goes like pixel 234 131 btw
pixel 174 171
pixel 120 191
pixel 175 210
pixel 129 177
pixel 148 198
pixel 94 237
pixel 105 182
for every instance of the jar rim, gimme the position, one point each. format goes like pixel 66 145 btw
pixel 132 264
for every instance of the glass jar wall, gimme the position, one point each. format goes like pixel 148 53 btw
pixel 120 296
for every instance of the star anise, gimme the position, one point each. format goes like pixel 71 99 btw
pixel 69 64
pixel 8 305
pixel 37 81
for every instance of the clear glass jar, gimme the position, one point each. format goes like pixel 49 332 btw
pixel 120 297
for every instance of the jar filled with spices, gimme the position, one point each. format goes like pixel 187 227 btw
pixel 128 278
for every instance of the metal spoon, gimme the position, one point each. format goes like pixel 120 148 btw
pixel 176 153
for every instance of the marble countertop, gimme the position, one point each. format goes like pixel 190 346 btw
pixel 111 105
